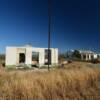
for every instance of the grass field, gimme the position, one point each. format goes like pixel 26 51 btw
pixel 77 81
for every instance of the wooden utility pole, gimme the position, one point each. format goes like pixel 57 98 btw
pixel 49 32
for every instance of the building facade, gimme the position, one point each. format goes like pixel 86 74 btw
pixel 29 55
pixel 84 55
pixel 88 55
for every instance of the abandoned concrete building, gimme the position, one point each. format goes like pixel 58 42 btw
pixel 88 55
pixel 30 56
pixel 85 55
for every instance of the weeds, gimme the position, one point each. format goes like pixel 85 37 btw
pixel 59 84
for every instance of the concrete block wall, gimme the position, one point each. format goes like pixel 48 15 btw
pixel 11 56
pixel 41 52
pixel 28 57
pixel 54 57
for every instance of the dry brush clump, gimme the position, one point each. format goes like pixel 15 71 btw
pixel 59 84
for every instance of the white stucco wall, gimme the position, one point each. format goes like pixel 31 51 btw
pixel 54 56
pixel 41 55
pixel 95 56
pixel 28 57
pixel 11 54
pixel 90 58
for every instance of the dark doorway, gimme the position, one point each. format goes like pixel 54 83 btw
pixel 84 57
pixel 35 56
pixel 92 57
pixel 35 59
pixel 21 58
pixel 46 57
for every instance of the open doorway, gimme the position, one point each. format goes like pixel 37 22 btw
pixel 35 59
pixel 21 58
pixel 46 57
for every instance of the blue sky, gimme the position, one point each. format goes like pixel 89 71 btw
pixel 75 23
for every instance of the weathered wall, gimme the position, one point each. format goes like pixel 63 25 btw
pixel 28 56
pixel 54 56
pixel 11 56
pixel 95 56
pixel 20 50
pixel 41 55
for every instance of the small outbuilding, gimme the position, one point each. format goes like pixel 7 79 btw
pixel 30 56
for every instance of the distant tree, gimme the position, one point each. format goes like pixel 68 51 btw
pixel 2 56
pixel 62 57
pixel 67 55
pixel 76 54
pixel 2 59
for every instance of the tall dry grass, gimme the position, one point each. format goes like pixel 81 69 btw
pixel 59 84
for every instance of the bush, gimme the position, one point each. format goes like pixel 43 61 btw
pixel 3 64
pixel 95 61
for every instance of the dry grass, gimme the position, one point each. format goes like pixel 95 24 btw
pixel 59 84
